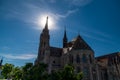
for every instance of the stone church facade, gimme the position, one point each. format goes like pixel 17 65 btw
pixel 78 53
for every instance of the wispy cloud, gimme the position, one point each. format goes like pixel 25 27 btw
pixel 79 2
pixel 20 56
pixel 32 11
pixel 29 12
pixel 68 13
pixel 52 1
pixel 94 34
pixel 55 16
pixel 101 39
pixel 5 48
pixel 99 36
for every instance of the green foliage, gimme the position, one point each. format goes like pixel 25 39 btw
pixel 26 71
pixel 6 70
pixel 39 72
pixel 56 75
pixel 34 72
pixel 16 73
pixel 66 74
pixel 79 76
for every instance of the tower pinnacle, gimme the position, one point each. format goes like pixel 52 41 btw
pixel 65 39
pixel 46 25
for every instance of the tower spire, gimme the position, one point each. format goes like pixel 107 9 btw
pixel 65 33
pixel 65 39
pixel 46 25
pixel 44 43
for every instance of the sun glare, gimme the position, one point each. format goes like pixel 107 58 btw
pixel 42 21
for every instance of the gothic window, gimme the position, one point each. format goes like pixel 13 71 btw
pixel 105 75
pixel 71 58
pixel 84 59
pixel 118 59
pixel 94 73
pixel 77 58
pixel 86 72
pixel 90 58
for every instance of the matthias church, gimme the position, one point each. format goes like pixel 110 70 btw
pixel 78 53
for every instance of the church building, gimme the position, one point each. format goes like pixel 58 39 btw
pixel 78 53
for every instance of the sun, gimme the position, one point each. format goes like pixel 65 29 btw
pixel 42 21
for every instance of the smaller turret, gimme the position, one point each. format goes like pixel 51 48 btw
pixel 65 40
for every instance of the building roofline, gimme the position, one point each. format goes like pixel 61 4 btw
pixel 106 55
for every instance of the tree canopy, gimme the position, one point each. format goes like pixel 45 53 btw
pixel 39 72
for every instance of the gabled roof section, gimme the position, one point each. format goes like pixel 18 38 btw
pixel 79 43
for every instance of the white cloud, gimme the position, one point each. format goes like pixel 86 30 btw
pixel 58 16
pixel 55 17
pixel 79 2
pixel 32 10
pixel 69 12
pixel 20 56
pixel 94 34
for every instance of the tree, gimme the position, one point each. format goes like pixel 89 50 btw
pixel 39 71
pixel 26 71
pixel 16 73
pixel 34 72
pixel 79 76
pixel 6 70
pixel 66 74
pixel 56 75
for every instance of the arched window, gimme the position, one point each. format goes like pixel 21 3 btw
pixel 90 58
pixel 71 58
pixel 84 59
pixel 77 58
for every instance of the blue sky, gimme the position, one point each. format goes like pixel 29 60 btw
pixel 97 21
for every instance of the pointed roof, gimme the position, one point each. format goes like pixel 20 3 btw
pixel 79 43
pixel 65 36
pixel 46 25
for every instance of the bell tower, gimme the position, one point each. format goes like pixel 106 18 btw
pixel 44 45
pixel 44 37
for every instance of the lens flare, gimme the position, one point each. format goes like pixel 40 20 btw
pixel 42 21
